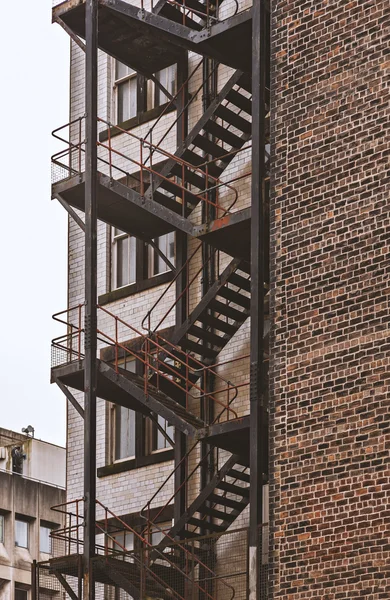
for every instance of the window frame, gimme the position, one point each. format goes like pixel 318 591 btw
pixel 43 525
pixel 143 454
pixel 147 96
pixel 2 529
pixel 142 279
pixel 26 522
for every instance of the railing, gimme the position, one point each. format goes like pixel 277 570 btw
pixel 160 360
pixel 143 556
pixel 69 162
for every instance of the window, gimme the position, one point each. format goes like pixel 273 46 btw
pixel 45 541
pixel 1 529
pixel 155 439
pixel 165 243
pixel 134 95
pixel 159 532
pixel 123 540
pixel 167 78
pixel 123 259
pixel 133 261
pixel 124 425
pixel 20 592
pixel 135 439
pixel 21 533
pixel 126 88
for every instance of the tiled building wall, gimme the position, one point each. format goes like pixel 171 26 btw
pixel 330 364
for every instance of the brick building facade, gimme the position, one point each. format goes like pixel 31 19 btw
pixel 330 267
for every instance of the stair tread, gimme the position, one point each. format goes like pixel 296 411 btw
pixel 175 188
pixel 217 323
pixel 224 134
pixel 239 475
pixel 208 526
pixel 233 489
pixel 240 282
pixel 240 101
pixel 227 310
pixel 224 501
pixel 214 339
pixel 235 297
pixel 198 348
pixel 209 146
pixel 236 120
pixel 189 176
pixel 218 514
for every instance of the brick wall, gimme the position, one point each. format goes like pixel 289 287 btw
pixel 330 371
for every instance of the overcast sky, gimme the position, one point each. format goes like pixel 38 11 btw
pixel 34 100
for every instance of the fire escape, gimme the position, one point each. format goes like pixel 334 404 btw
pixel 146 193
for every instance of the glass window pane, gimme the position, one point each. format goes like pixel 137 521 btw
pixel 21 534
pixel 122 70
pixel 45 539
pixel 122 262
pixel 20 594
pixel 124 433
pixel 1 529
pixel 123 101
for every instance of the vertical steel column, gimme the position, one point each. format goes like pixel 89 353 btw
pixel 90 363
pixel 258 233
pixel 181 282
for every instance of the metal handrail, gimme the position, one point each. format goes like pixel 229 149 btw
pixel 153 349
pixel 67 532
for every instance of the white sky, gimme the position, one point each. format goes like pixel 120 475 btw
pixel 34 100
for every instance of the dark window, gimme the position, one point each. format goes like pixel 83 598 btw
pixel 1 529
pixel 20 593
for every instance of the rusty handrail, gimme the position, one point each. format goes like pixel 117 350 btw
pixel 155 347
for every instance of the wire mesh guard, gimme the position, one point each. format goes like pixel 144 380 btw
pixel 213 567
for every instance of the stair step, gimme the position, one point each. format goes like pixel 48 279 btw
pixel 217 324
pixel 235 297
pixel 233 489
pixel 209 147
pixel 228 311
pixel 174 14
pixel 231 117
pixel 224 134
pixel 203 334
pixel 240 101
pixel 194 178
pixel 193 158
pixel 240 282
pixel 198 348
pixel 206 525
pixel 218 514
pixel 176 189
pixel 245 267
pixel 239 475
pixel 228 502
pixel 170 203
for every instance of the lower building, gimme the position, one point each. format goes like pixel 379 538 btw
pixel 32 481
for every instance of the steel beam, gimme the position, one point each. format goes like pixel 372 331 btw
pixel 69 396
pixel 70 211
pixel 181 282
pixel 90 362
pixel 258 236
